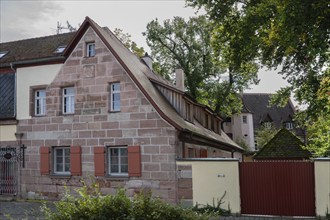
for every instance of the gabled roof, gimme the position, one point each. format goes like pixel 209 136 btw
pixel 284 145
pixel 258 105
pixel 34 50
pixel 141 75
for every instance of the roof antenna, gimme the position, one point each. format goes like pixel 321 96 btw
pixel 60 27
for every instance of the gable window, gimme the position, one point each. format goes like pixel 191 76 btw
pixel 289 125
pixel 90 49
pixel 40 102
pixel 244 119
pixel 268 125
pixel 118 161
pixel 115 97
pixel 61 160
pixel 68 100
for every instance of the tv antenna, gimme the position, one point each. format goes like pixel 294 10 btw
pixel 68 27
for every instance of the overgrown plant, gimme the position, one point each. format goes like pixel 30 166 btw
pixel 214 209
pixel 90 204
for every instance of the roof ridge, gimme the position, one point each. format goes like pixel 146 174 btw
pixel 41 37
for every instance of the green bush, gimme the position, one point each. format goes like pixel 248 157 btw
pixel 91 205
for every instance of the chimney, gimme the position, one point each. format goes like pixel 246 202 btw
pixel 179 75
pixel 147 60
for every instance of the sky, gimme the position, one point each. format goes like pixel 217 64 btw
pixel 21 19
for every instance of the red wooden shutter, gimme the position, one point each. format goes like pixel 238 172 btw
pixel 134 161
pixel 75 160
pixel 99 161
pixel 44 160
pixel 203 153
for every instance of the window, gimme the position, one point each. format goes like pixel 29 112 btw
pixel 115 97
pixel 3 53
pixel 90 49
pixel 191 153
pixel 61 160
pixel 60 49
pixel 206 121
pixel 40 102
pixel 118 161
pixel 244 118
pixel 267 125
pixel 188 112
pixel 289 125
pixel 68 100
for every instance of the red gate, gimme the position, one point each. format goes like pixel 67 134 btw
pixel 283 188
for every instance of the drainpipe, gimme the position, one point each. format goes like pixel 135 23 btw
pixel 15 88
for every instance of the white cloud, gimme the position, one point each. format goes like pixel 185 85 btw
pixel 26 19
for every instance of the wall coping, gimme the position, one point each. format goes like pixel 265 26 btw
pixel 322 159
pixel 207 159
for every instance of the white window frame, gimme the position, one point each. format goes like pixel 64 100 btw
pixel 244 119
pixel 289 125
pixel 68 100
pixel 90 49
pixel 268 125
pixel 120 164
pixel 39 102
pixel 64 163
pixel 113 92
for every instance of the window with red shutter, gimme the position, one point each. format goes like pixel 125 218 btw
pixel 44 160
pixel 134 161
pixel 75 160
pixel 203 153
pixel 99 162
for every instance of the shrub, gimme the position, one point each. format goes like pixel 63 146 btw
pixel 91 205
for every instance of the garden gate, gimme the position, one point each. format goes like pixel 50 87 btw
pixel 283 188
pixel 9 163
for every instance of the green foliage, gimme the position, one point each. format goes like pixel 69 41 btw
pixel 318 135
pixel 214 209
pixel 90 204
pixel 264 135
pixel 125 38
pixel 190 45
pixel 293 35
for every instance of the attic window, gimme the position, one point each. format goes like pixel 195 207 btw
pixel 60 49
pixel 3 53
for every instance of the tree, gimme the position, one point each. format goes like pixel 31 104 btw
pixel 125 38
pixel 265 134
pixel 189 45
pixel 291 34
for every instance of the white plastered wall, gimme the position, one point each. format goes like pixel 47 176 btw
pixel 7 132
pixel 32 76
pixel 214 178
pixel 322 186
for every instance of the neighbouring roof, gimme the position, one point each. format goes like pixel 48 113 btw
pixel 36 50
pixel 284 145
pixel 142 76
pixel 7 96
pixel 258 105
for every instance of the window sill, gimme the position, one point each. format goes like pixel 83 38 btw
pixel 117 177
pixel 60 176
pixel 112 111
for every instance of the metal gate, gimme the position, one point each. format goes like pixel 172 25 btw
pixel 283 188
pixel 9 162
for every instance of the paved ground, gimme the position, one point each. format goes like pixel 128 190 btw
pixel 31 211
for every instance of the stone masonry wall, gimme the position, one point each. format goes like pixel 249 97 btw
pixel 93 125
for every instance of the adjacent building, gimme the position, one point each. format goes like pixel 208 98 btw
pixel 257 112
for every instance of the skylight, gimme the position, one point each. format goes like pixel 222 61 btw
pixel 3 53
pixel 60 49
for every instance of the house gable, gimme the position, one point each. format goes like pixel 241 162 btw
pixel 284 145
